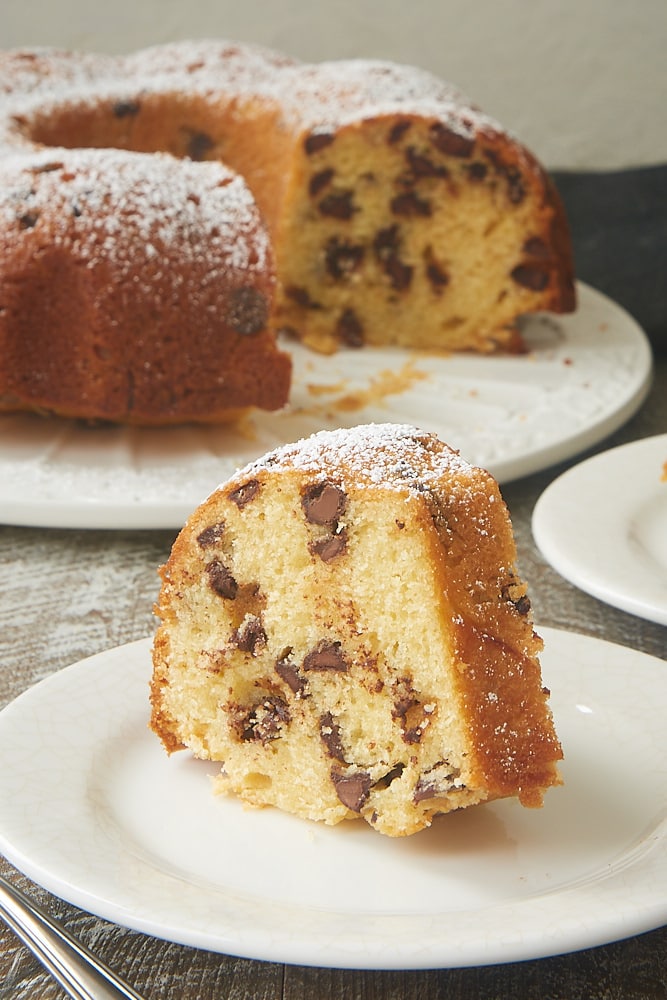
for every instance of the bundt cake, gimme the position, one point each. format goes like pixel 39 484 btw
pixel 397 214
pixel 342 626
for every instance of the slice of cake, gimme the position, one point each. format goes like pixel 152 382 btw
pixel 343 628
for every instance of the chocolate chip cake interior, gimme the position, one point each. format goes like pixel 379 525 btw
pixel 344 630
pixel 406 232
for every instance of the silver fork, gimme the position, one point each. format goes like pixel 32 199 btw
pixel 80 974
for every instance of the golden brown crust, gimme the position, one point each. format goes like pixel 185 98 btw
pixel 495 643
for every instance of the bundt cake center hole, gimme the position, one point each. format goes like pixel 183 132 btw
pixel 154 124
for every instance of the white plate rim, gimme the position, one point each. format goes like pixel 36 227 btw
pixel 625 898
pixel 582 524
pixel 53 494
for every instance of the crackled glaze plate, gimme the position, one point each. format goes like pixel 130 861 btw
pixel 583 376
pixel 92 808
pixel 603 526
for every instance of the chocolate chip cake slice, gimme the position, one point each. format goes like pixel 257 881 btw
pixel 343 628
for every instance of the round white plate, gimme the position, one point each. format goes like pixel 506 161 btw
pixel 603 526
pixel 92 808
pixel 583 377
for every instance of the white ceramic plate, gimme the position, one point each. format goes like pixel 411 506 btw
pixel 583 377
pixel 603 526
pixel 93 809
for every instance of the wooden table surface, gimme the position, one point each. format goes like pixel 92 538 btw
pixel 67 594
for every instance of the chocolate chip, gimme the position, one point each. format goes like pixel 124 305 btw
pixel 288 672
pixel 386 246
pixel 199 145
pixel 477 171
pixel 342 258
pixel 326 656
pixel 437 277
pixel 536 247
pixel 349 329
pixel 435 272
pixel 449 142
pixel 266 720
pixel 320 180
pixel 330 736
pixel 28 220
pixel 438 781
pixel 399 274
pixel 391 775
pixel 523 605
pixel 424 790
pixel 410 204
pixel 338 205
pixel 352 789
pixel 515 594
pixel 211 535
pixel 247 311
pixel 386 243
pixel 250 635
pixel 421 166
pixel 409 710
pixel 397 132
pixel 317 141
pixel 244 494
pixel 531 276
pixel 221 580
pixel 126 109
pixel 301 296
pixel 403 704
pixel 323 503
pixel 515 189
pixel 329 546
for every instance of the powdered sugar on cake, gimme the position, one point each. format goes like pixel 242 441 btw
pixel 203 207
pixel 316 97
pixel 370 454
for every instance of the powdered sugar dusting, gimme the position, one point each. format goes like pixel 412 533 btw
pixel 39 70
pixel 387 455
pixel 204 64
pixel 331 94
pixel 123 206
pixel 315 97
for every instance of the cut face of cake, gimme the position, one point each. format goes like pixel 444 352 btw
pixel 344 629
